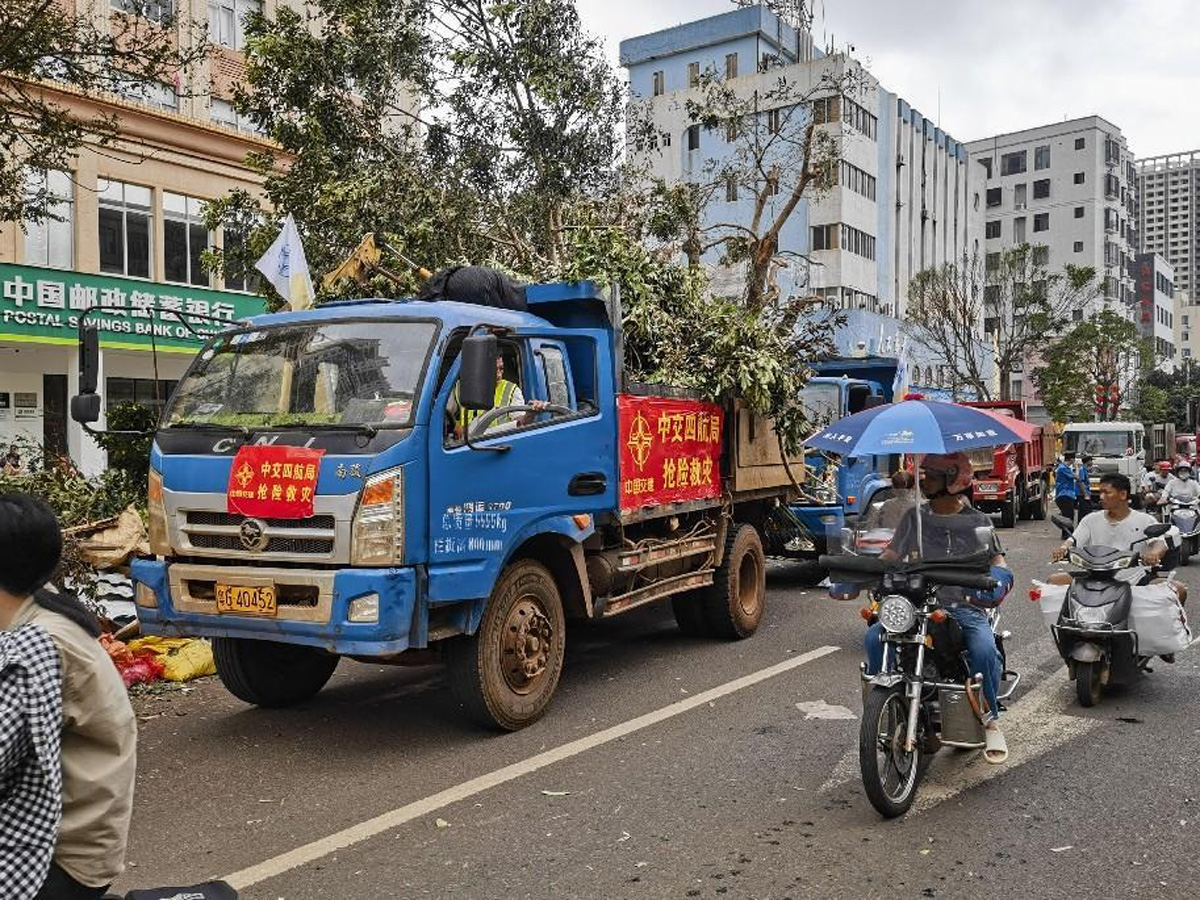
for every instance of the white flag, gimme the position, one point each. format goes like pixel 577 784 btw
pixel 286 268
pixel 900 379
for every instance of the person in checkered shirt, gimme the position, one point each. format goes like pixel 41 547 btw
pixel 98 730
pixel 30 762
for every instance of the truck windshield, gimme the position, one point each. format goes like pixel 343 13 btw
pixel 1099 443
pixel 312 375
pixel 822 403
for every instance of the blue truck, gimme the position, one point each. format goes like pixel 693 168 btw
pixel 379 479
pixel 841 387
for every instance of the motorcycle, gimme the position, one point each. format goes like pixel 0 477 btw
pixel 1185 515
pixel 1092 632
pixel 925 696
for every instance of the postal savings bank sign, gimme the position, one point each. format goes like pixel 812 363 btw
pixel 44 305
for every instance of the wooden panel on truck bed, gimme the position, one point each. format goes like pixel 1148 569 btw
pixel 757 463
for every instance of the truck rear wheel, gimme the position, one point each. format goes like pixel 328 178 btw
pixel 1008 512
pixel 734 602
pixel 505 673
pixel 1038 506
pixel 271 674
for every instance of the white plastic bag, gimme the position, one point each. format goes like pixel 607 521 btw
pixel 1159 620
pixel 1050 599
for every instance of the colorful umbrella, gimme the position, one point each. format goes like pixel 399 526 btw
pixel 919 426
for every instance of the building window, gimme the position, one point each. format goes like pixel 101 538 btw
pixel 51 242
pixel 1080 143
pixel 731 189
pixel 824 237
pixel 826 109
pixel 154 10
pixel 235 240
pixel 1020 196
pixel 1019 229
pixel 994 197
pixel 693 137
pixel 859 119
pixel 150 93
pixel 223 113
pixel 1013 163
pixel 858 242
pixel 731 65
pixel 227 21
pixel 184 239
pixel 1079 177
pixel 693 74
pixel 1112 187
pixel 1041 255
pixel 1041 189
pixel 857 180
pixel 987 165
pixel 142 391
pixel 1041 157
pixel 992 229
pixel 658 84
pixel 1079 212
pixel 1079 246
pixel 774 119
pixel 992 262
pixel 124 228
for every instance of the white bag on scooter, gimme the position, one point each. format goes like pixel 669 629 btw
pixel 1050 598
pixel 1159 620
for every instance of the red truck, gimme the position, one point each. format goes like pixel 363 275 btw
pixel 1013 480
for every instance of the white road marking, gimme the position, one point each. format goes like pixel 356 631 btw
pixel 355 834
pixel 819 709
pixel 1036 723
pixel 844 772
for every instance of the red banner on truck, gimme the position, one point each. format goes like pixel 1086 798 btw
pixel 274 482
pixel 670 450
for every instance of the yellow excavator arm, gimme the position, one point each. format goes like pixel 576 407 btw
pixel 364 262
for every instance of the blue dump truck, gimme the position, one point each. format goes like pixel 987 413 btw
pixel 840 388
pixel 377 479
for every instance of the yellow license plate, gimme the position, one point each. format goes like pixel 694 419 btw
pixel 246 601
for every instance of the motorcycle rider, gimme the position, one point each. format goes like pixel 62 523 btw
pixel 947 531
pixel 1153 483
pixel 1181 486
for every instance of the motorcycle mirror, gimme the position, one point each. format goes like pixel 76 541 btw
pixel 1157 530
pixel 1063 522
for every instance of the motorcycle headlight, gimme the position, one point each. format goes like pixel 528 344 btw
pixel 896 614
pixel 156 516
pixel 377 537
pixel 1076 560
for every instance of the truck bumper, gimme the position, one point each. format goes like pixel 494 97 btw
pixel 821 521
pixel 313 605
pixel 992 503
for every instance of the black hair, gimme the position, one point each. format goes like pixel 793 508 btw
pixel 30 551
pixel 1117 482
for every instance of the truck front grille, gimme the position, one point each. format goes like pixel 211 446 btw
pixel 217 532
pixel 274 545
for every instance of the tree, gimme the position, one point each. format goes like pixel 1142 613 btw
pixel 46 46
pixel 1169 396
pixel 1009 299
pixel 1083 372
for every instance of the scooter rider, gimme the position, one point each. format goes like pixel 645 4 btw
pixel 1182 486
pixel 1153 483
pixel 947 531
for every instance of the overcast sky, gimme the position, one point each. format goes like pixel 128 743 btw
pixel 999 67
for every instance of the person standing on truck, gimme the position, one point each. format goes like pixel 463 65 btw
pixel 508 393
pixel 99 731
pixel 1066 486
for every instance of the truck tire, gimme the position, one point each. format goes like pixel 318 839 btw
pixel 271 674
pixel 1008 512
pixel 733 604
pixel 1039 504
pixel 505 673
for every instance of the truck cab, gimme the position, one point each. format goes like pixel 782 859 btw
pixel 1115 447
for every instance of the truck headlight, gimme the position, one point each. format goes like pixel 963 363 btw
pixel 156 516
pixel 377 536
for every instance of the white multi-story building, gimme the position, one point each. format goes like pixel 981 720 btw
pixel 904 198
pixel 1169 218
pixel 1187 328
pixel 1154 286
pixel 1071 187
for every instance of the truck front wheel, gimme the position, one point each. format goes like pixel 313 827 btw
pixel 734 602
pixel 505 673
pixel 271 674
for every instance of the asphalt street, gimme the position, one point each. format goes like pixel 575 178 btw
pixel 674 767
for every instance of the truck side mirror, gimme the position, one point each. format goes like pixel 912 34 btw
pixel 477 377
pixel 89 359
pixel 85 408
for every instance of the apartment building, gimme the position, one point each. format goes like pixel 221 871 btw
pixel 130 237
pixel 1169 215
pixel 1154 285
pixel 903 200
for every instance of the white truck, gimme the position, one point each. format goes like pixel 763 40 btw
pixel 1115 447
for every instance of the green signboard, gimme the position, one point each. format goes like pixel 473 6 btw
pixel 44 305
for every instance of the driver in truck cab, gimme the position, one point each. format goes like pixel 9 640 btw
pixel 508 393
